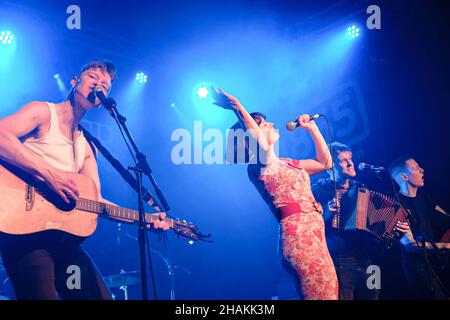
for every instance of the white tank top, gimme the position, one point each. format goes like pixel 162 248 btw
pixel 56 149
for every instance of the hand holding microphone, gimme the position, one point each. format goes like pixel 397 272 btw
pixel 304 121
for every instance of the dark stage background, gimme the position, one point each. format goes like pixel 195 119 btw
pixel 386 94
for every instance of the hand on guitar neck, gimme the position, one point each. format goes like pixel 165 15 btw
pixel 159 223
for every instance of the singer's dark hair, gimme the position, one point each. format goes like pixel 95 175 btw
pixel 235 144
pixel 103 65
pixel 398 165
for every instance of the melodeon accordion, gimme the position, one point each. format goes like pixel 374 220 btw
pixel 375 214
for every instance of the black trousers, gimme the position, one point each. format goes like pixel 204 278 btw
pixel 49 266
pixel 352 276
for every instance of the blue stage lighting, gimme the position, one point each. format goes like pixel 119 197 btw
pixel 6 37
pixel 353 32
pixel 202 92
pixel 141 77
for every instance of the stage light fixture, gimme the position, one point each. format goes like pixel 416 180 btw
pixel 6 37
pixel 353 32
pixel 141 77
pixel 202 92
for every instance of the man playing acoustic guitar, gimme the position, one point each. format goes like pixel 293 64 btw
pixel 43 140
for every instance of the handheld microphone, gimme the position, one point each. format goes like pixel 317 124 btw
pixel 362 166
pixel 291 126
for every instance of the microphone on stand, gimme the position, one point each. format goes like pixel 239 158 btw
pixel 99 94
pixel 108 103
pixel 363 166
pixel 291 126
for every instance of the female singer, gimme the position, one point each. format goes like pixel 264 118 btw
pixel 284 184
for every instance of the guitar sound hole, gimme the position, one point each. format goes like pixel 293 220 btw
pixel 57 201
pixel 52 197
pixel 64 206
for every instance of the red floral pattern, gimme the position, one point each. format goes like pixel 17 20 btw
pixel 286 182
pixel 304 248
pixel 303 234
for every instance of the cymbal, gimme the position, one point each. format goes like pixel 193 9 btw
pixel 122 279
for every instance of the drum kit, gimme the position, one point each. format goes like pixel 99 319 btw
pixel 122 281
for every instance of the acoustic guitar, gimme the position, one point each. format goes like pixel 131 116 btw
pixel 29 206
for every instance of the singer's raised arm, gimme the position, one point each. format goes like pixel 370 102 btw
pixel 227 101
pixel 323 159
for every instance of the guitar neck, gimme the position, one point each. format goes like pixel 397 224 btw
pixel 105 209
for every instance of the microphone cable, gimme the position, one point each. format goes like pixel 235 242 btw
pixel 337 262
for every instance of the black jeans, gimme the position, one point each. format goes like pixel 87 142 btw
pixel 352 276
pixel 41 267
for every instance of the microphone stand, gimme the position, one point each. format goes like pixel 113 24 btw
pixel 171 271
pixel 141 166
pixel 141 159
pixel 170 265
pixel 124 173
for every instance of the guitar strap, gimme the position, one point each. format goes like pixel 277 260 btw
pixel 95 145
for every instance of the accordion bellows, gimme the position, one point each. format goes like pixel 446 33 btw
pixel 377 214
